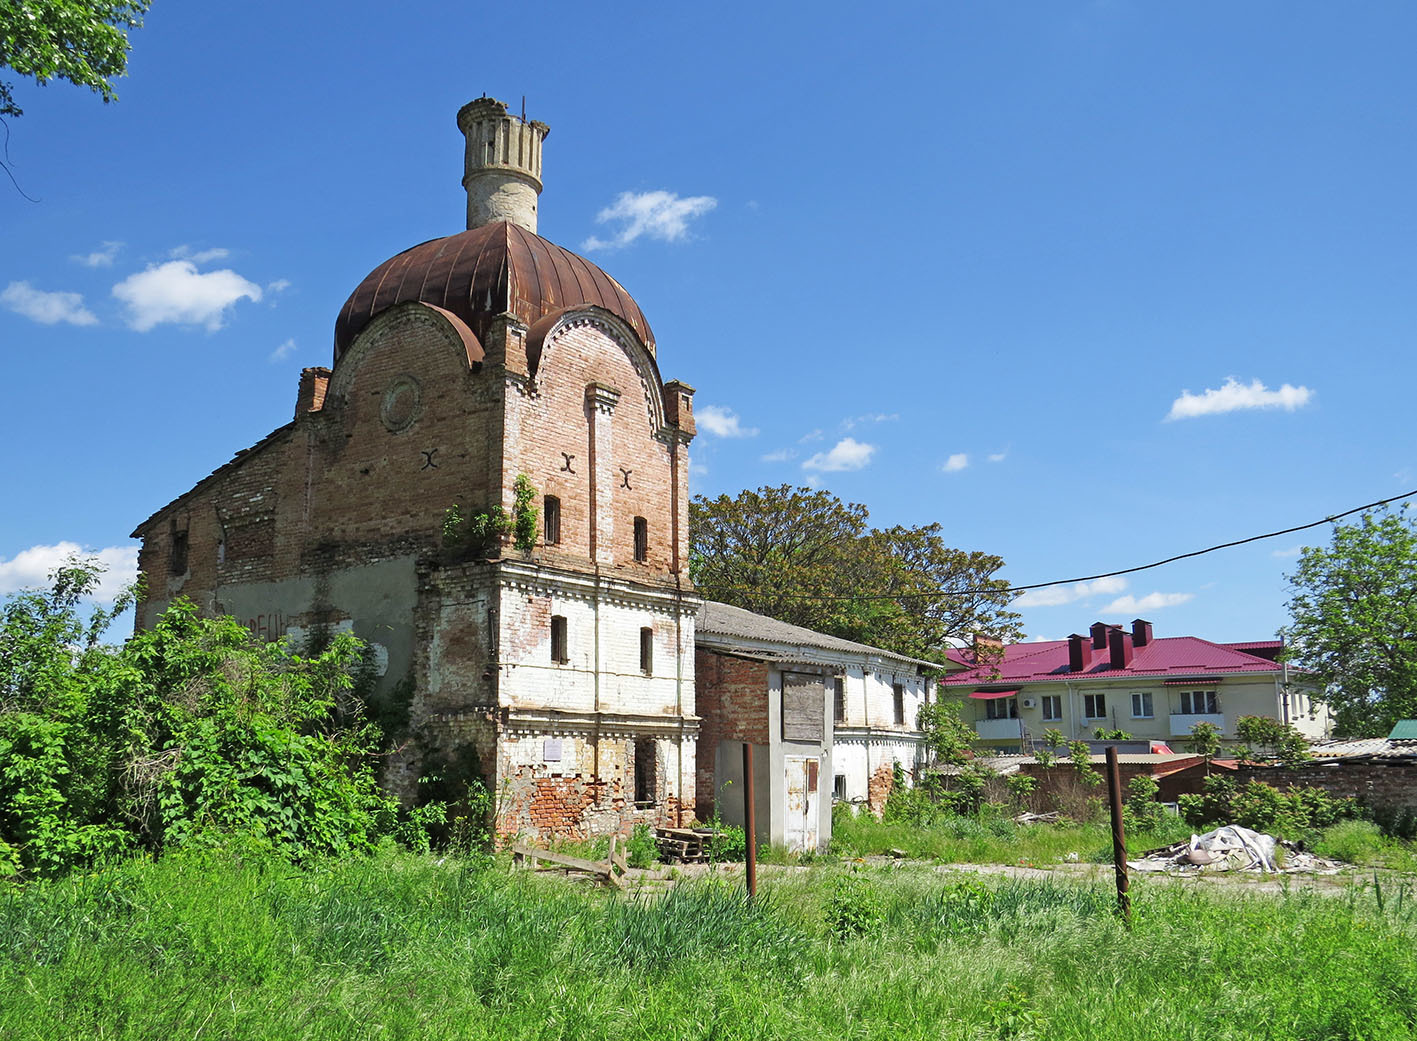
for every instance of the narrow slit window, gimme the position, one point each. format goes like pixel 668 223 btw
pixel 641 539
pixel 644 774
pixel 551 526
pixel 839 699
pixel 898 702
pixel 647 650
pixel 559 652
pixel 177 564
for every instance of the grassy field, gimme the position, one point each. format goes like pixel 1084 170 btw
pixel 218 945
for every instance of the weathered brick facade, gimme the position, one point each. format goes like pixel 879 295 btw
pixel 336 521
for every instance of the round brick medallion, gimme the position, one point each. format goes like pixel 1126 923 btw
pixel 403 401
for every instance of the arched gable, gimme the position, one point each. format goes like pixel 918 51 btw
pixel 541 350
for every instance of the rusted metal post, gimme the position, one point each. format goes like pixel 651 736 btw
pixel 750 822
pixel 1119 834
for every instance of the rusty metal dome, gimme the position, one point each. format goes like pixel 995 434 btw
pixel 484 272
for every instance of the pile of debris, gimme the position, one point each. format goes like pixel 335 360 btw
pixel 1234 848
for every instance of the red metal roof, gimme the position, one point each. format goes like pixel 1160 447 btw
pixel 989 695
pixel 1163 657
pixel 484 272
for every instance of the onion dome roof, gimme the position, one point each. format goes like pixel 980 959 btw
pixel 483 272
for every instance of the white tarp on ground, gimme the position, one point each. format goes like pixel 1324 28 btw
pixel 1231 848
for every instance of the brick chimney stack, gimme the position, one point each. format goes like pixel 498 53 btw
pixel 1141 632
pixel 1119 648
pixel 501 165
pixel 1079 653
pixel 1099 635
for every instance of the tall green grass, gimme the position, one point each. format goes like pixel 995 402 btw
pixel 220 945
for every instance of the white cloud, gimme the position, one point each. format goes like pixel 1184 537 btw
pixel 698 469
pixel 956 462
pixel 998 457
pixel 102 257
pixel 811 435
pixel 870 417
pixel 1151 602
pixel 1292 551
pixel 176 292
pixel 47 308
pixel 284 351
pixel 659 215
pixel 280 285
pixel 1056 596
pixel 722 422
pixel 1234 396
pixel 199 257
pixel 782 455
pixel 31 568
pixel 848 454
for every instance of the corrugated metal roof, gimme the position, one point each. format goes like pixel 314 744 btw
pixel 481 273
pixel 727 620
pixel 1166 656
pixel 1404 730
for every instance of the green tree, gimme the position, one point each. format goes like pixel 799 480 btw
pixel 1205 741
pixel 805 557
pixel 1263 737
pixel 1353 607
pixel 948 738
pixel 82 41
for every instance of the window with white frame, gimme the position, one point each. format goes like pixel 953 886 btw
pixel 1052 707
pixel 1141 704
pixel 1094 706
pixel 1199 703
pixel 1001 708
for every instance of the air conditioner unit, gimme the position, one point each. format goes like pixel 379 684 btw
pixel 1028 702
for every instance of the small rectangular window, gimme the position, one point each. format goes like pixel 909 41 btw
pixel 647 650
pixel 1094 706
pixel 559 651
pixel 1052 707
pixel 898 703
pixel 839 699
pixel 641 539
pixel 551 521
pixel 839 787
pixel 1141 704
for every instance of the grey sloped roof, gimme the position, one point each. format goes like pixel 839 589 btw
pixel 734 623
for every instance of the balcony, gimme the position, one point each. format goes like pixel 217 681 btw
pixel 997 729
pixel 1181 724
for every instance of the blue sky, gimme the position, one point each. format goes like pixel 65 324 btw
pixel 1089 284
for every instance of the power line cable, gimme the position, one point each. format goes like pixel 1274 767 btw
pixel 1085 578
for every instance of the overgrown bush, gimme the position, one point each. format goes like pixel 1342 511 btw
pixel 1141 811
pixel 192 728
pixel 640 850
pixel 855 906
pixel 1262 807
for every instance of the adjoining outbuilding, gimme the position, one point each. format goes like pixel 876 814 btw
pixel 817 710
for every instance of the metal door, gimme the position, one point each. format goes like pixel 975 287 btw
pixel 803 801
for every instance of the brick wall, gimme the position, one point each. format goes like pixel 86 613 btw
pixel 1374 784
pixel 732 702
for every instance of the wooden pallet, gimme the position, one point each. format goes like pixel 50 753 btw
pixel 684 845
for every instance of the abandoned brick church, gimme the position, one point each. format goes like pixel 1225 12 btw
pixel 564 673
pixel 559 671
